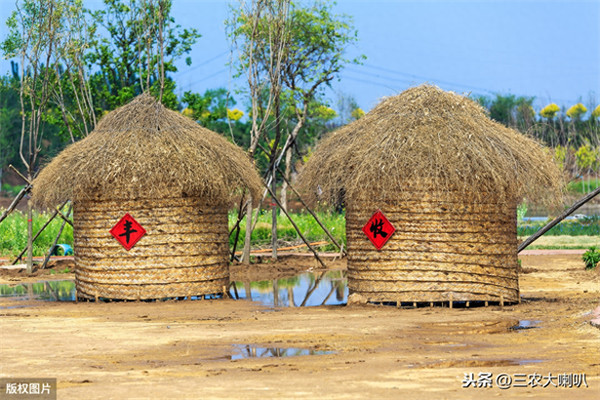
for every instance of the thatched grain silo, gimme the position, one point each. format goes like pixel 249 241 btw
pixel 148 168
pixel 449 180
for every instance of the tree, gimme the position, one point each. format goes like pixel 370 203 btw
pixel 35 32
pixel 318 39
pixel 10 120
pixel 576 111
pixel 258 33
pixel 142 45
pixel 550 111
pixel 214 110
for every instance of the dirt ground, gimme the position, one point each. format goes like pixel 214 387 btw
pixel 174 350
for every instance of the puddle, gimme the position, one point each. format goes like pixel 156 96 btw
pixel 242 351
pixel 307 289
pixel 49 291
pixel 525 324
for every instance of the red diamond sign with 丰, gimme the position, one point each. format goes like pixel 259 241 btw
pixel 378 229
pixel 127 231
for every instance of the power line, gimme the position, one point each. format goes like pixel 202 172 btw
pixel 429 79
pixel 195 67
pixel 207 77
pixel 370 82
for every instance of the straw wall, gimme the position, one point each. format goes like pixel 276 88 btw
pixel 444 249
pixel 184 251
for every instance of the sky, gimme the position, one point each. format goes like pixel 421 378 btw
pixel 546 49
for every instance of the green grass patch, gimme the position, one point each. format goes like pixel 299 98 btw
pixel 563 242
pixel 261 236
pixel 588 226
pixel 583 186
pixel 11 191
pixel 13 231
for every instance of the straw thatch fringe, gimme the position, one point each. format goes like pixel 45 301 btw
pixel 184 252
pixel 459 257
pixel 143 150
pixel 427 139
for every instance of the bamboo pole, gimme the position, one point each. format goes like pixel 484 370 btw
pixel 15 202
pixel 51 250
pixel 556 220
pixel 38 234
pixel 296 227
pixel 236 227
pixel 313 214
pixel 20 174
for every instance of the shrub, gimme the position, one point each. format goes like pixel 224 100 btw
pixel 591 258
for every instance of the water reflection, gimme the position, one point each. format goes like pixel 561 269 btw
pixel 48 290
pixel 242 351
pixel 525 324
pixel 328 288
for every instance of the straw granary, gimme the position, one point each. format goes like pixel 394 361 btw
pixel 173 178
pixel 449 180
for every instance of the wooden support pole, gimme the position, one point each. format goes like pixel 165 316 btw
pixel 51 250
pixel 20 174
pixel 15 202
pixel 313 214
pixel 556 220
pixel 64 217
pixel 296 227
pixel 237 228
pixel 38 233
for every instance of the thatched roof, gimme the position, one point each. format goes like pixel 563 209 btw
pixel 144 150
pixel 427 139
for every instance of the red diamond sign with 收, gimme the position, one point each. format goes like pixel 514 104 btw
pixel 127 231
pixel 378 229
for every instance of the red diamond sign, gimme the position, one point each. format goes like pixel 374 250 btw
pixel 127 231
pixel 378 229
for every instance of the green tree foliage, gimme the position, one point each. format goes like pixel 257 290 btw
pixel 126 60
pixel 214 110
pixel 511 110
pixel 10 121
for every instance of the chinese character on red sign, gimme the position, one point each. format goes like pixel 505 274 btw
pixel 378 229
pixel 127 231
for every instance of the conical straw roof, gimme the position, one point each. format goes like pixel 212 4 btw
pixel 144 150
pixel 426 139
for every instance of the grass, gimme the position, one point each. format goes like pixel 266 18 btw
pixel 583 186
pixel 13 231
pixel 11 191
pixel 588 226
pixel 261 236
pixel 563 242
pixel 571 234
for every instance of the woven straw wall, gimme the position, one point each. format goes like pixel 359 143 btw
pixel 184 251
pixel 444 249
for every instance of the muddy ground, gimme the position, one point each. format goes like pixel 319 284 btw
pixel 184 349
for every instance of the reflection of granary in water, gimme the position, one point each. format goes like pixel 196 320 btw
pixel 449 180
pixel 175 180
